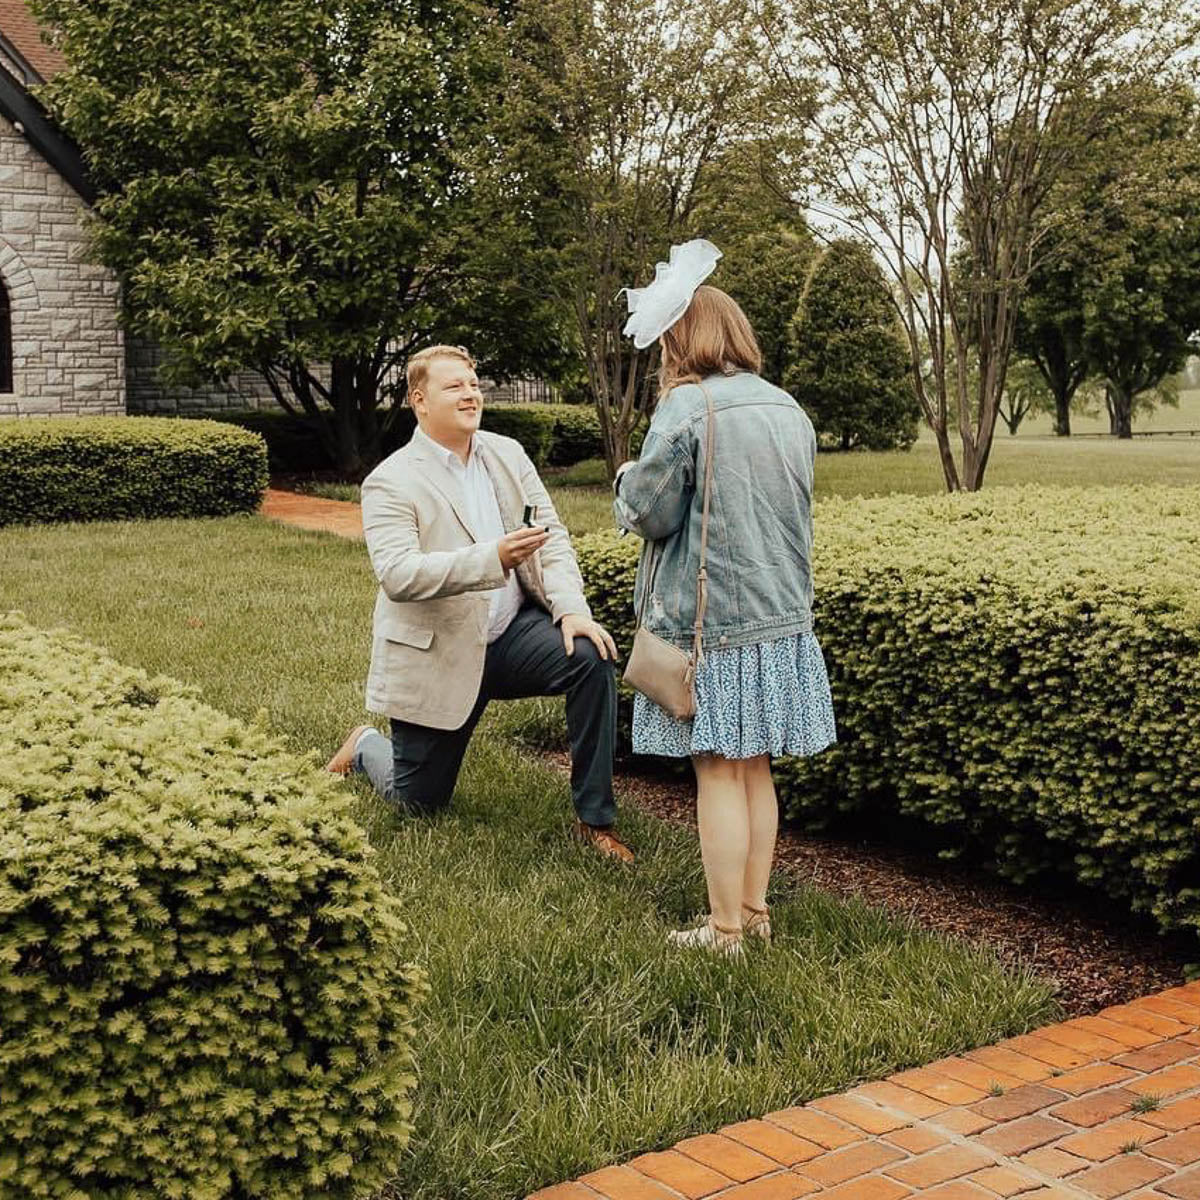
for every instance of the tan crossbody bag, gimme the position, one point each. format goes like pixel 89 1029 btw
pixel 662 672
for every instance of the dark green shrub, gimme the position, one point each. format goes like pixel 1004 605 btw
pixel 201 988
pixel 124 468
pixel 1016 672
pixel 576 434
pixel 529 424
pixel 296 446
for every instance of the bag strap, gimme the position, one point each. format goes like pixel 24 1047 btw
pixel 702 575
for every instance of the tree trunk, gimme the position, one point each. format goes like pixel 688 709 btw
pixel 949 469
pixel 1062 414
pixel 1121 410
pixel 347 446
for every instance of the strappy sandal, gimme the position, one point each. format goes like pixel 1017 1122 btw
pixel 709 936
pixel 758 923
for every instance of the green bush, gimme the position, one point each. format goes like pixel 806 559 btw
pixel 122 468
pixel 529 424
pixel 556 435
pixel 295 444
pixel 1015 673
pixel 201 989
pixel 576 434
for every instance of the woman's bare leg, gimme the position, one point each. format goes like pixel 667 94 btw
pixel 763 821
pixel 723 815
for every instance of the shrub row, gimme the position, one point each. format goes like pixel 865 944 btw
pixel 201 988
pixel 118 468
pixel 552 434
pixel 1015 673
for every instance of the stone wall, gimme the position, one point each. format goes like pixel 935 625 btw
pixel 68 350
pixel 147 393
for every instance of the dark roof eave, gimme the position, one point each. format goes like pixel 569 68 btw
pixel 59 151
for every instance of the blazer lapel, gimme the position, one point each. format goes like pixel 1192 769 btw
pixel 442 478
pixel 506 487
pixel 511 500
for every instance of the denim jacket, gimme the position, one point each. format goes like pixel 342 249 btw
pixel 760 522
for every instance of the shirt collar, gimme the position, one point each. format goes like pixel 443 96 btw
pixel 438 450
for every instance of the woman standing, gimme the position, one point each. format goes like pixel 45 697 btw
pixel 760 686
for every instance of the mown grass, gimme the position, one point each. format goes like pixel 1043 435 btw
pixel 561 1034
pixel 584 499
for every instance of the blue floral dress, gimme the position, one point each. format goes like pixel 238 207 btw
pixel 767 698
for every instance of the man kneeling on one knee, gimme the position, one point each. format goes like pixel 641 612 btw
pixel 474 606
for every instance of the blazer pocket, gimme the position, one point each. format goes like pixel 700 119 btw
pixel 409 635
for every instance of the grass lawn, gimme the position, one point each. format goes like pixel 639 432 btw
pixel 561 1034
pixel 584 498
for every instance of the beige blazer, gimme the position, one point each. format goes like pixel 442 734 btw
pixel 431 613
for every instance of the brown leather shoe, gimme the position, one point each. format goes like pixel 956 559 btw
pixel 339 764
pixel 604 841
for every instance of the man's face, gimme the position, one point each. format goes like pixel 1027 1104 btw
pixel 450 404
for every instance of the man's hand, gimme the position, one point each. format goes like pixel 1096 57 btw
pixel 521 544
pixel 576 625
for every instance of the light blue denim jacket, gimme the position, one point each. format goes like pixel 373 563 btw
pixel 760 524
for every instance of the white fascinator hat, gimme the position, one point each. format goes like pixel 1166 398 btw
pixel 655 308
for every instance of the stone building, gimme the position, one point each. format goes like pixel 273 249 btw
pixel 62 351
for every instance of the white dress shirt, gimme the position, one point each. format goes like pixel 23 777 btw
pixel 484 511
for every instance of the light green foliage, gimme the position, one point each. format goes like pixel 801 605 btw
pixel 561 1032
pixel 201 987
pixel 1036 705
pixel 108 468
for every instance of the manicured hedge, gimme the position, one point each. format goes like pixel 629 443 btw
pixel 122 468
pixel 552 434
pixel 202 993
pixel 1016 673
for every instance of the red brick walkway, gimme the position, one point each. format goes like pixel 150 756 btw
pixel 1100 1106
pixel 1089 1109
pixel 312 512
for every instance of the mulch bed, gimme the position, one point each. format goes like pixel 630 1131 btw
pixel 1092 957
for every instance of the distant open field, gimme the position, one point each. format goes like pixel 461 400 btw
pixel 1186 416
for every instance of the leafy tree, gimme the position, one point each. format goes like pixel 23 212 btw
pixel 616 113
pixel 287 183
pixel 1049 332
pixel 1116 293
pixel 1141 278
pixel 767 248
pixel 949 121
pixel 1025 392
pixel 850 368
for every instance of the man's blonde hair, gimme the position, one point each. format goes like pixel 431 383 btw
pixel 712 335
pixel 418 365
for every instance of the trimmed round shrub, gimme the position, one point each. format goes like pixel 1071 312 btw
pixel 125 468
pixel 1016 674
pixel 202 992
